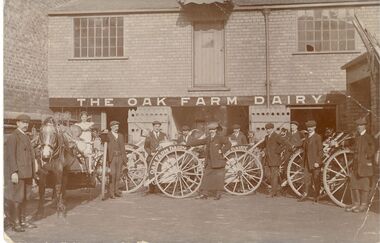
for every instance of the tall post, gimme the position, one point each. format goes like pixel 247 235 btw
pixel 266 13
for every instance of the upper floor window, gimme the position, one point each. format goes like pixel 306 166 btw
pixel 327 30
pixel 98 37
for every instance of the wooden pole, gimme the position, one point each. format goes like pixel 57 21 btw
pixel 104 171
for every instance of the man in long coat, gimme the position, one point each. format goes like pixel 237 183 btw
pixel 19 172
pixel 362 170
pixel 274 144
pixel 116 157
pixel 313 152
pixel 151 145
pixel 214 173
pixel 237 137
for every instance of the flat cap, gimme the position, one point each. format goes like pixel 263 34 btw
pixel 213 125
pixel 156 122
pixel 269 125
pixel 113 123
pixel 236 126
pixel 185 128
pixel 311 123
pixel 295 123
pixel 361 121
pixel 23 117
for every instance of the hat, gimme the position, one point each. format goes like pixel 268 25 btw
pixel 23 118
pixel 213 125
pixel 156 122
pixel 113 123
pixel 361 121
pixel 236 126
pixel 269 126
pixel 295 123
pixel 311 123
pixel 185 128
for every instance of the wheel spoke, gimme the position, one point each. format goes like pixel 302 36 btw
pixel 175 186
pixel 256 179
pixel 168 186
pixel 248 181
pixel 190 168
pixel 242 184
pixel 340 186
pixel 299 178
pixel 336 172
pixel 252 169
pixel 333 180
pixel 344 192
pixel 235 186
pixel 187 185
pixel 298 189
pixel 180 186
pixel 337 161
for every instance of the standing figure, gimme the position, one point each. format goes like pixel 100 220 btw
pixel 237 137
pixel 274 144
pixel 362 170
pixel 295 140
pixel 86 136
pixel 312 163
pixel 151 145
pixel 213 177
pixel 116 157
pixel 185 136
pixel 19 171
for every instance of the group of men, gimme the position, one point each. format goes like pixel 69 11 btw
pixel 19 166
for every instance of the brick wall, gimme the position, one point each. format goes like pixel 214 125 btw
pixel 25 56
pixel 159 51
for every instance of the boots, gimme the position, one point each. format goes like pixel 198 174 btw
pixel 305 194
pixel 364 202
pixel 16 218
pixel 25 224
pixel 355 197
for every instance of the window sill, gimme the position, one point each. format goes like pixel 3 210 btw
pixel 97 58
pixel 196 89
pixel 325 52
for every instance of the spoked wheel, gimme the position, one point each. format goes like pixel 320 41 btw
pixel 295 172
pixel 336 177
pixel 134 172
pixel 244 172
pixel 178 171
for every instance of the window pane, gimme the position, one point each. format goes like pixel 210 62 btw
pixel 112 42
pixel 342 25
pixel 325 46
pixel 76 52
pixel 318 25
pixel 120 51
pixel 334 25
pixel 120 21
pixel 119 41
pixel 98 52
pixel 334 45
pixel 342 45
pixel 113 22
pixel 301 36
pixel 301 25
pixel 84 52
pixel 76 43
pixel 91 52
pixel 105 51
pixel 83 42
pixel 98 42
pixel 350 34
pixel 334 35
pixel 112 51
pixel 318 46
pixel 350 45
pixel 119 32
pixel 326 25
pixel 326 35
pixel 342 35
pixel 309 25
pixel 309 35
pixel 301 46
pixel 318 35
pixel 113 32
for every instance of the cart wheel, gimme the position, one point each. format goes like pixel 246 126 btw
pixel 336 177
pixel 295 173
pixel 178 172
pixel 134 172
pixel 244 172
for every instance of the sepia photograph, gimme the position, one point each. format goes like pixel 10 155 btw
pixel 191 121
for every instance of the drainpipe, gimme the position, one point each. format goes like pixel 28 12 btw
pixel 266 12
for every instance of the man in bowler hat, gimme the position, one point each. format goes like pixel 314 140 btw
pixel 185 136
pixel 116 158
pixel 19 172
pixel 237 137
pixel 312 163
pixel 362 170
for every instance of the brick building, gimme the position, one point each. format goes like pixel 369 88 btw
pixel 189 62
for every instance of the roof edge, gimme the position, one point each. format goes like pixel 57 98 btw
pixel 362 58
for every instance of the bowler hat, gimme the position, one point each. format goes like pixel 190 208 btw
pixel 361 121
pixel 311 123
pixel 213 125
pixel 269 125
pixel 236 126
pixel 185 128
pixel 295 123
pixel 156 122
pixel 113 123
pixel 23 118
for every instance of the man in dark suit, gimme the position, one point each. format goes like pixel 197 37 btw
pixel 274 144
pixel 313 152
pixel 116 158
pixel 237 137
pixel 19 171
pixel 185 136
pixel 151 145
pixel 362 170
pixel 214 173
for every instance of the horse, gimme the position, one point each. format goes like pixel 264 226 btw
pixel 56 154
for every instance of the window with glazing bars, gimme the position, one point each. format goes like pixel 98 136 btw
pixel 323 30
pixel 98 37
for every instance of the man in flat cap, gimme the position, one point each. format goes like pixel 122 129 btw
pixel 116 156
pixel 313 152
pixel 362 170
pixel 213 178
pixel 184 138
pixel 295 140
pixel 274 144
pixel 151 145
pixel 237 137
pixel 19 172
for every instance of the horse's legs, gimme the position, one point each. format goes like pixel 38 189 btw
pixel 58 186
pixel 41 193
pixel 64 183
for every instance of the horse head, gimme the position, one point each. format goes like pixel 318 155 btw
pixel 48 141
